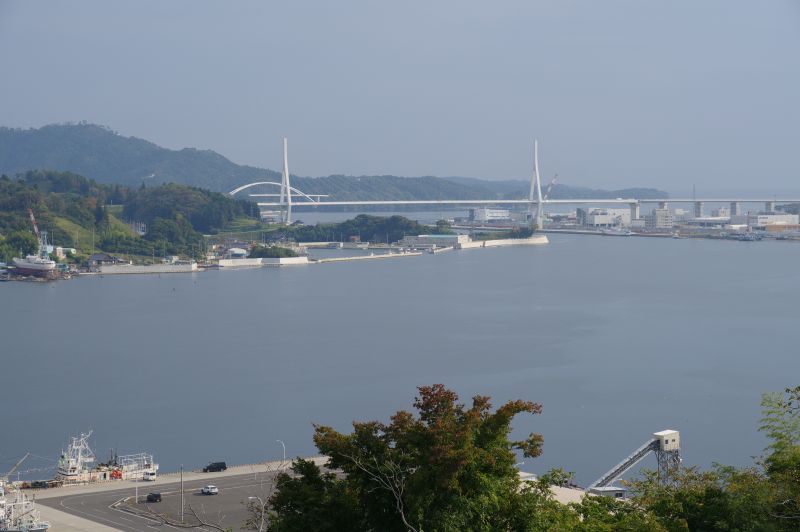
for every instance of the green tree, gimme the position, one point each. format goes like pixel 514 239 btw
pixel 450 467
pixel 272 252
pixel 781 423
pixel 101 219
pixel 310 500
pixel 22 242
pixel 724 498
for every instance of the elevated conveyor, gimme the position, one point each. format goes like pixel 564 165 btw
pixel 621 468
pixel 666 445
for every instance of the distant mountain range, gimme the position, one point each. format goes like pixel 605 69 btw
pixel 101 154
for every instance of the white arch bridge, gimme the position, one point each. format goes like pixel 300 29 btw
pixel 535 201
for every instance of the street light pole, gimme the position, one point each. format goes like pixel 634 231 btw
pixel 284 450
pixel 263 510
pixel 181 493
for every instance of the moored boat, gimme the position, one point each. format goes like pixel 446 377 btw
pixel 39 265
pixel 17 512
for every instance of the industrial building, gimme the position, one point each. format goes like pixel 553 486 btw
pixel 660 218
pixel 596 217
pixel 485 214
pixel 763 220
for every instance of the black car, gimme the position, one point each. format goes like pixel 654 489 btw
pixel 213 467
pixel 154 497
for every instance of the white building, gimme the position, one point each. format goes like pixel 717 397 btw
pixel 660 218
pixel 604 217
pixel 709 221
pixel 428 241
pixel 762 220
pixel 485 214
pixel 236 253
pixel 681 215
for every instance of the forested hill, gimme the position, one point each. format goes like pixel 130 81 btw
pixel 106 157
pixel 100 154
pixel 81 213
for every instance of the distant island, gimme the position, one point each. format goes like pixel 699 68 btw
pixel 100 154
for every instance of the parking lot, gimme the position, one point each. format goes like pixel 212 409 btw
pixel 117 508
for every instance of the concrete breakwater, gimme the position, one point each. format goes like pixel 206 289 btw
pixel 369 257
pixel 260 262
pixel 122 269
pixel 535 240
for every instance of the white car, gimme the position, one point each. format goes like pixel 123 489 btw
pixel 210 490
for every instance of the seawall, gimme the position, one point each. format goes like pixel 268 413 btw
pixel 535 240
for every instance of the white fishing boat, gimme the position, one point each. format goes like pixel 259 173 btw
pixel 39 265
pixel 76 465
pixel 17 512
pixel 616 232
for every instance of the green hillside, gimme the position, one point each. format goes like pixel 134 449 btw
pixel 100 154
pixel 89 216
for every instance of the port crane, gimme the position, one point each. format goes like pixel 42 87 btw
pixel 546 194
pixel 666 445
pixel 16 466
pixel 550 187
pixel 41 237
pixel 35 226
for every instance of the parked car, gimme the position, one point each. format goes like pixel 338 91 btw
pixel 213 467
pixel 210 490
pixel 154 497
pixel 149 476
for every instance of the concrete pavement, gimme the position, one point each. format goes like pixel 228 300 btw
pixel 110 505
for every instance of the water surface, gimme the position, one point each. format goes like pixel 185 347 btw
pixel 616 337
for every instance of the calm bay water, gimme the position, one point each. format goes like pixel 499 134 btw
pixel 616 337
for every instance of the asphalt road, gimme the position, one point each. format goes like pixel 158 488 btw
pixel 227 509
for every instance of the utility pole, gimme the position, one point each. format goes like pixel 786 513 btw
pixel 181 493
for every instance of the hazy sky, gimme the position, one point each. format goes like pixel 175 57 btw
pixel 620 93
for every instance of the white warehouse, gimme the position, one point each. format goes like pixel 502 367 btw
pixel 604 217
pixel 484 214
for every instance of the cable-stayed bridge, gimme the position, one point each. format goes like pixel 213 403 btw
pixel 290 196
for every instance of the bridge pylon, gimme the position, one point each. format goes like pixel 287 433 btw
pixel 535 194
pixel 286 187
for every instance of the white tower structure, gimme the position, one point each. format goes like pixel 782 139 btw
pixel 536 188
pixel 286 188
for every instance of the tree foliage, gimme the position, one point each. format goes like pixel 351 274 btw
pixel 176 215
pixel 764 497
pixel 368 228
pixel 312 500
pixel 17 244
pixel 205 211
pixel 450 467
pixel 272 252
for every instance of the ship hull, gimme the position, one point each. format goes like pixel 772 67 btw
pixel 26 267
